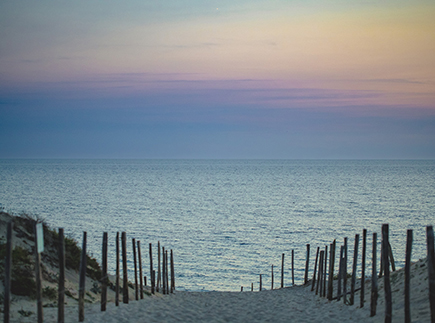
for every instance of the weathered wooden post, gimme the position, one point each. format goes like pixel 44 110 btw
pixel 172 273
pixel 320 275
pixel 354 267
pixel 322 285
pixel 151 269
pixel 345 270
pixel 167 272
pixel 39 246
pixel 140 270
pixel 374 291
pixel 252 287
pixel 8 271
pixel 136 284
pixel 363 267
pixel 282 271
pixel 166 277
pixel 117 271
pixel 271 288
pixel 158 268
pixel 387 286
pixel 307 264
pixel 124 268
pixel 431 269
pixel 104 277
pixel 340 273
pixel 82 280
pixel 325 258
pixel 331 270
pixel 313 283
pixel 408 276
pixel 61 288
pixel 293 267
pixel 163 272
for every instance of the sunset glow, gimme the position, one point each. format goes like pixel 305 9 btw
pixel 276 73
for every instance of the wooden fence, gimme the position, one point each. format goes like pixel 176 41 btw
pixel 163 284
pixel 323 273
pixel 322 284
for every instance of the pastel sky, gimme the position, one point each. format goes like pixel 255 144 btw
pixel 217 79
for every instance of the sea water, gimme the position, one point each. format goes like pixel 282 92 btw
pixel 227 221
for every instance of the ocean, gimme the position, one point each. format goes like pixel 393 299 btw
pixel 227 221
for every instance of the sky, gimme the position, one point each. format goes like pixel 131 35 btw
pixel 289 79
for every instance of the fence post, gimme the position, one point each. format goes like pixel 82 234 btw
pixel 117 271
pixel 387 286
pixel 374 292
pixel 313 283
pixel 271 288
pixel 282 271
pixel 8 271
pixel 167 273
pixel 307 264
pixel 325 258
pixel 104 277
pixel 408 276
pixel 38 276
pixel 345 270
pixel 124 268
pixel 140 270
pixel 172 272
pixel 61 288
pixel 331 269
pixel 363 267
pixel 82 280
pixel 163 272
pixel 158 267
pixel 320 274
pixel 431 269
pixel 354 267
pixel 136 285
pixel 340 274
pixel 151 268
pixel 293 267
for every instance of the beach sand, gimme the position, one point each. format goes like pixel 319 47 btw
pixel 291 304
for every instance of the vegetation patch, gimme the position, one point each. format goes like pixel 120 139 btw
pixel 50 293
pixel 25 313
pixel 23 262
pixel 22 273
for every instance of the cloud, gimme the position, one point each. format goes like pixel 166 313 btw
pixel 392 80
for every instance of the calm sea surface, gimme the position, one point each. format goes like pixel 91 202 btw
pixel 226 220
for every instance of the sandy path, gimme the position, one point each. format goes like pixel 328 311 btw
pixel 295 304
pixel 286 305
